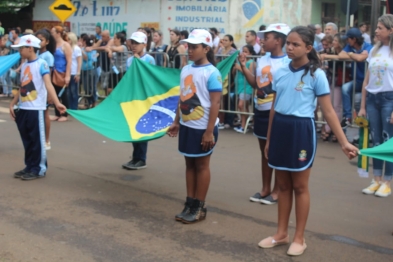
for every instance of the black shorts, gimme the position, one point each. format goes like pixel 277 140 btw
pixel 261 123
pixel 293 143
pixel 190 141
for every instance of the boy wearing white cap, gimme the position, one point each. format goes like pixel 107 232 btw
pixel 36 86
pixel 138 44
pixel 261 80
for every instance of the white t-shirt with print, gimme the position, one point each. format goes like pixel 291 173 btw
pixel 196 83
pixel 33 93
pixel 267 65
pixel 380 68
pixel 77 52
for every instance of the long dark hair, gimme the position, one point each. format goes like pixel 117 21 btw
pixel 45 33
pixel 307 35
pixel 87 40
pixel 250 49
pixel 210 55
pixel 230 37
pixel 149 38
pixel 121 36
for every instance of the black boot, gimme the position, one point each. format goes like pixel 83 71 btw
pixel 197 212
pixel 186 209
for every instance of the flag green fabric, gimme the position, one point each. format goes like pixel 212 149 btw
pixel 382 152
pixel 143 105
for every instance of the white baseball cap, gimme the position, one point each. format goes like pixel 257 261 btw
pixel 278 28
pixel 199 36
pixel 28 40
pixel 139 37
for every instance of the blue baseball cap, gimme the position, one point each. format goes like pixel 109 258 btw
pixel 354 33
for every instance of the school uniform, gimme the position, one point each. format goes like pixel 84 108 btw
pixel 266 66
pixel 30 116
pixel 196 84
pixel 293 139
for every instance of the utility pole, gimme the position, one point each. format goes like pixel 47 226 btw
pixel 375 14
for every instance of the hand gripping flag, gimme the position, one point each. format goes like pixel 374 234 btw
pixel 143 105
pixel 363 144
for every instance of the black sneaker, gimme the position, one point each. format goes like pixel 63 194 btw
pixel 31 176
pixel 137 165
pixel 129 164
pixel 345 122
pixel 186 209
pixel 268 200
pixel 197 213
pixel 19 174
pixel 256 197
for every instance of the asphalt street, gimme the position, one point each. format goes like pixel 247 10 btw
pixel 88 208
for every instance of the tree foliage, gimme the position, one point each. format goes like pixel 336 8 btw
pixel 13 6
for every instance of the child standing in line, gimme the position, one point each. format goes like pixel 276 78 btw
pixel 35 87
pixel 138 44
pixel 47 49
pixel 296 87
pixel 196 121
pixel 273 42
pixel 244 89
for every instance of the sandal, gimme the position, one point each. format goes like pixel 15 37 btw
pixel 53 118
pixel 325 136
pixel 62 119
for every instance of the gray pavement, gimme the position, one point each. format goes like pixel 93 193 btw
pixel 90 209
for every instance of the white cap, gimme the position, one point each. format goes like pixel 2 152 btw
pixel 139 37
pixel 278 28
pixel 199 36
pixel 28 40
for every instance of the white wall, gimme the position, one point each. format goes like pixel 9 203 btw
pixel 228 16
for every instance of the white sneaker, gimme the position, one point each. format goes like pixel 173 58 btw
pixel 221 126
pixel 383 191
pixel 371 189
pixel 239 130
pixel 47 146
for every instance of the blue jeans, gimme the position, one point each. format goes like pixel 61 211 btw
pixel 347 90
pixel 379 111
pixel 73 93
pixel 6 83
pixel 140 151
pixel 89 84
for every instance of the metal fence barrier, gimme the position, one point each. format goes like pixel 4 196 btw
pixel 107 73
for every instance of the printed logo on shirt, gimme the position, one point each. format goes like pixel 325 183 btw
pixel 303 155
pixel 299 86
pixel 378 69
pixel 264 82
pixel 27 90
pixel 190 105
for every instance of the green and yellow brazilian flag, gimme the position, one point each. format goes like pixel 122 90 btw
pixel 143 105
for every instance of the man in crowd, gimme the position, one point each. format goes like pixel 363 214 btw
pixel 331 29
pixel 363 29
pixel 318 31
pixel 356 50
pixel 1 29
pixel 251 39
pixel 98 32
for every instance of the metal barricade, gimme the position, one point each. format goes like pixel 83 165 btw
pixel 107 73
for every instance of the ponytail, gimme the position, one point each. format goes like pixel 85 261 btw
pixel 313 65
pixel 234 46
pixel 210 55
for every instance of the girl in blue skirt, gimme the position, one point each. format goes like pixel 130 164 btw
pixel 196 121
pixel 291 140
